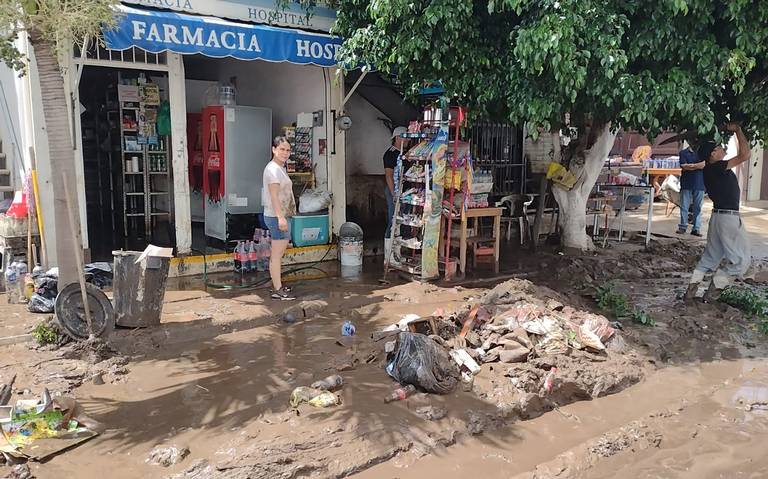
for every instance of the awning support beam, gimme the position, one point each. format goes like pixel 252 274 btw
pixel 354 87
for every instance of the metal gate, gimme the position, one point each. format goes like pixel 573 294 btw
pixel 499 148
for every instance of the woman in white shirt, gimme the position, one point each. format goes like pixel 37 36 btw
pixel 279 206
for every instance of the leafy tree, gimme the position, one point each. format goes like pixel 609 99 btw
pixel 638 64
pixel 53 27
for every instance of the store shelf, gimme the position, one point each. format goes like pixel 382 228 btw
pixel 134 215
pixel 135 194
pixel 406 245
pixel 159 193
pixel 158 172
pixel 160 213
pixel 134 173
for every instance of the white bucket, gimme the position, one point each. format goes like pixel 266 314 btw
pixel 350 252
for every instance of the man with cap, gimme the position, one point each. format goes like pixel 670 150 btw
pixel 390 163
pixel 727 240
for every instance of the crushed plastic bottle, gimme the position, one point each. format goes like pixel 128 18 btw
pixel 348 329
pixel 400 393
pixel 549 380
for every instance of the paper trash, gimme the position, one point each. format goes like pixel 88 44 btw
pixel 153 251
pixel 38 429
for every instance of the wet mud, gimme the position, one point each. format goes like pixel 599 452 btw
pixel 686 398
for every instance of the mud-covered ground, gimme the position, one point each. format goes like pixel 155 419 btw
pixel 684 398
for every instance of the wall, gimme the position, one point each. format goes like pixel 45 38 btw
pixel 285 88
pixel 367 141
pixel 368 138
pixel 11 122
pixel 288 90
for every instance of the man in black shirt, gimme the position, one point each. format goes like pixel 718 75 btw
pixel 390 163
pixel 726 238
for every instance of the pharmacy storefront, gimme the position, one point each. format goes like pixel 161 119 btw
pixel 178 109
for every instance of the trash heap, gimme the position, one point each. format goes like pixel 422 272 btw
pixel 516 322
pixel 512 324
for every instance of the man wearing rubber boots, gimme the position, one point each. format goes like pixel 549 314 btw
pixel 727 241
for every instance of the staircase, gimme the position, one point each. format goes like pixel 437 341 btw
pixel 6 183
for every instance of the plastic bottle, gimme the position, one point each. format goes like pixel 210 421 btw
pixel 253 256
pixel 238 258
pixel 11 275
pixel 400 393
pixel 266 251
pixel 257 262
pixel 331 383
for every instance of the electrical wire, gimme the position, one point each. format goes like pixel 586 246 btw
pixel 259 282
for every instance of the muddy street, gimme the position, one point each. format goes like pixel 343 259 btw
pixel 683 398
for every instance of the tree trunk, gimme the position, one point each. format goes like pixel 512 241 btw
pixel 587 156
pixel 62 157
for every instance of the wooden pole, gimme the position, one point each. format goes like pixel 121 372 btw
pixel 78 256
pixel 38 209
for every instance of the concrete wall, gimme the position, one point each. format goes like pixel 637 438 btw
pixel 285 88
pixel 368 138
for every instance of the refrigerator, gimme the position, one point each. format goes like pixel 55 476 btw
pixel 236 149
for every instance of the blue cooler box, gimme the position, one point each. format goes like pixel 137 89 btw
pixel 309 230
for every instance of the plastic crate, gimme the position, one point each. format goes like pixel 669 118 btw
pixel 309 230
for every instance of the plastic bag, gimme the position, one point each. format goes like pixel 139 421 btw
pixel 303 394
pixel 312 201
pixel 325 399
pixel 420 361
pixel 164 119
pixel 40 304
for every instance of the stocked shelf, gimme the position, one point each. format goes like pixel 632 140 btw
pixel 145 164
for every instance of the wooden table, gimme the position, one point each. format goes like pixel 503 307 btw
pixel 654 174
pixel 475 214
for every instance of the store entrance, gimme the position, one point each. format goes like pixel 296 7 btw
pixel 125 127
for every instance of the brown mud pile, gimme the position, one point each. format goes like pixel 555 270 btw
pixel 331 443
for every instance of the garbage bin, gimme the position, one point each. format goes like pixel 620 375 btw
pixel 351 250
pixel 138 288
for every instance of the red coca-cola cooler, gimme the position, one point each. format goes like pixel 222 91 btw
pixel 236 149
pixel 196 170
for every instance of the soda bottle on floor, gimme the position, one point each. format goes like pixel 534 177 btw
pixel 261 244
pixel 252 256
pixel 237 255
pixel 266 252
pixel 400 393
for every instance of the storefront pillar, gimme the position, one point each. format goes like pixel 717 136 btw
pixel 72 97
pixel 177 98
pixel 337 168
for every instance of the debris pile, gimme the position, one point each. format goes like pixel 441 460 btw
pixel 512 324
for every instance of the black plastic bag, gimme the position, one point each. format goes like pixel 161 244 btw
pixel 420 361
pixel 40 304
pixel 47 287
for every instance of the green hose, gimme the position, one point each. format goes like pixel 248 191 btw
pixel 256 283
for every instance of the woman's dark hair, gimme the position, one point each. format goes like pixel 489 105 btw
pixel 279 140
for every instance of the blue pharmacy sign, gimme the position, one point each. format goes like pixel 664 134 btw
pixel 158 31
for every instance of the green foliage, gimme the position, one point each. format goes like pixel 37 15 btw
pixel 613 301
pixel 618 305
pixel 750 302
pixel 44 334
pixel 60 23
pixel 645 65
pixel 641 317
